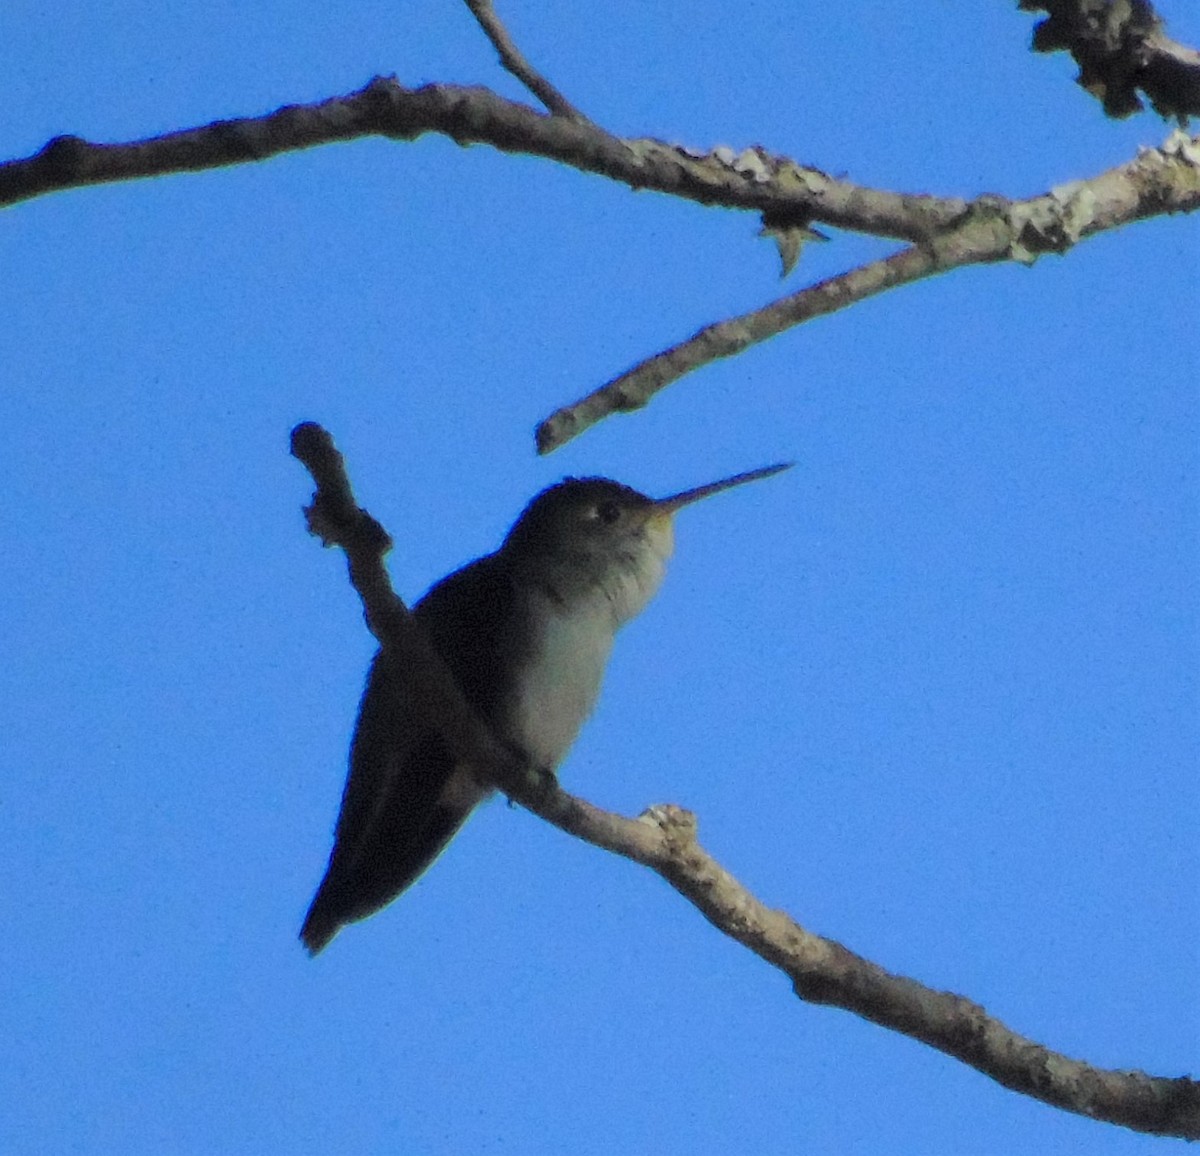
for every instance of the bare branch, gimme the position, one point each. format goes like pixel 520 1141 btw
pixel 1158 181
pixel 664 839
pixel 635 387
pixel 1121 47
pixel 514 60
pixel 752 180
pixel 948 232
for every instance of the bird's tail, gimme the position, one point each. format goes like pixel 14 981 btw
pixel 353 891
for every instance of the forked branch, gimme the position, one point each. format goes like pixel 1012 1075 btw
pixel 514 60
pixel 989 229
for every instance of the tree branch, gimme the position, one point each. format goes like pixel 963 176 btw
pixel 752 179
pixel 947 232
pixel 1120 47
pixel 634 388
pixel 1165 180
pixel 513 60
pixel 664 839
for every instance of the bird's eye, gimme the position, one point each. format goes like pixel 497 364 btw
pixel 608 512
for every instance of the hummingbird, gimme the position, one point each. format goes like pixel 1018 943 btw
pixel 526 632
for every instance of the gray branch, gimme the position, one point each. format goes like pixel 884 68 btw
pixel 946 232
pixel 751 180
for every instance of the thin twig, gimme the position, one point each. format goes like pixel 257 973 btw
pixel 514 60
pixel 634 388
pixel 664 839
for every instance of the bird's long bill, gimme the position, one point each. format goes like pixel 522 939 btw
pixel 678 501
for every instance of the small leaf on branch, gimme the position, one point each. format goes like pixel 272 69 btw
pixel 790 239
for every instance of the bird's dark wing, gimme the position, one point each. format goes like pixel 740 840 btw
pixel 391 825
pixel 404 797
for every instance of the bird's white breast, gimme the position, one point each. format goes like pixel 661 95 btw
pixel 558 683
pixel 573 607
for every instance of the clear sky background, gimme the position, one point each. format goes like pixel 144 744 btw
pixel 933 692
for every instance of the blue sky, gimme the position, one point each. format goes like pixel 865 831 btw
pixel 934 691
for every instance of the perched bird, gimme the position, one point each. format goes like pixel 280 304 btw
pixel 526 632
